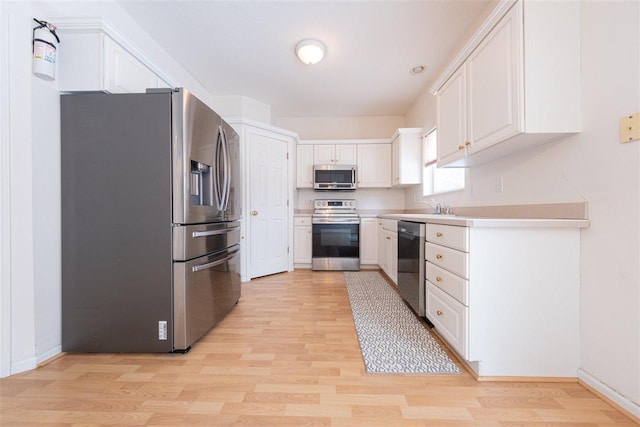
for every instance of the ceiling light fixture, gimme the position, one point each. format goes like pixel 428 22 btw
pixel 310 51
pixel 418 69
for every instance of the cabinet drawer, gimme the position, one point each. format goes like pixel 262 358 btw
pixel 452 284
pixel 448 235
pixel 390 224
pixel 449 318
pixel 302 220
pixel 450 259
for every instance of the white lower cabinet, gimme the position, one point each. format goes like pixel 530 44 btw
pixel 388 247
pixel 368 241
pixel 506 299
pixel 451 318
pixel 302 240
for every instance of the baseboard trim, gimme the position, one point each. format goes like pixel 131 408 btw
pixel 49 356
pixel 609 395
pixel 23 365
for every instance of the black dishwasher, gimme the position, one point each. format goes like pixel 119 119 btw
pixel 411 264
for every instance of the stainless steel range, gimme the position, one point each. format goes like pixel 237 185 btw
pixel 336 235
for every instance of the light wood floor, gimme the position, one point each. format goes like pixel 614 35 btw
pixel 287 355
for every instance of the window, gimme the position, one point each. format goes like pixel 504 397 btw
pixel 438 180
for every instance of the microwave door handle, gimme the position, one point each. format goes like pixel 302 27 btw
pixel 353 176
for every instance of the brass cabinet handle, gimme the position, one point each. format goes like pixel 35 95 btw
pixel 388 238
pixel 460 147
pixel 467 143
pixel 438 279
pixel 438 234
pixel 254 213
pixel 438 256
pixel 439 313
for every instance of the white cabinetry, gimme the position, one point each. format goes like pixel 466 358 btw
pixel 388 247
pixel 519 84
pixel 505 298
pixel 93 61
pixel 338 154
pixel 304 166
pixel 302 240
pixel 368 241
pixel 406 157
pixel 374 166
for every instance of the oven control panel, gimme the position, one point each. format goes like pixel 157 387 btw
pixel 338 205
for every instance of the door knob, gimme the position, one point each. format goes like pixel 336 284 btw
pixel 254 213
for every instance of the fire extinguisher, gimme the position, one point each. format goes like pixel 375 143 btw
pixel 45 42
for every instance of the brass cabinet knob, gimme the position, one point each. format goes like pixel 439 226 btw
pixel 460 147
pixel 467 143
pixel 438 256
pixel 438 279
pixel 439 313
pixel 388 238
pixel 438 234
pixel 254 213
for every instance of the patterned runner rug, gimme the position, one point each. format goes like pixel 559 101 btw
pixel 391 338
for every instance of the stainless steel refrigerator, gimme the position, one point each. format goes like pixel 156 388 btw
pixel 150 221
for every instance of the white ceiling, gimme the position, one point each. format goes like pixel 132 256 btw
pixel 247 48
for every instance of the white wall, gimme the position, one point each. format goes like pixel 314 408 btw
pixel 594 167
pixel 31 288
pixel 341 127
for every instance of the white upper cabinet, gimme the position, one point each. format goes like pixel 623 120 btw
pixel 123 73
pixel 93 61
pixel 406 157
pixel 515 84
pixel 374 165
pixel 338 154
pixel 452 118
pixel 304 166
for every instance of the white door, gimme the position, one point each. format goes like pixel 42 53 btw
pixel 267 214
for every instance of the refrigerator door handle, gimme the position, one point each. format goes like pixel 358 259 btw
pixel 209 265
pixel 213 232
pixel 217 169
pixel 227 171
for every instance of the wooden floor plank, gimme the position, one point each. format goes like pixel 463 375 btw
pixel 287 355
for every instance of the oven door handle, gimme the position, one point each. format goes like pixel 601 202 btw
pixel 208 265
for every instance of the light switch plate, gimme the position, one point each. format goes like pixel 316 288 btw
pixel 630 128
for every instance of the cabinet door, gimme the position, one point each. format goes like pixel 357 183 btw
pixel 374 165
pixel 302 244
pixel 452 118
pixel 304 166
pixel 396 161
pixel 123 73
pixel 495 85
pixel 381 246
pixel 393 258
pixel 368 241
pixel 345 154
pixel 323 154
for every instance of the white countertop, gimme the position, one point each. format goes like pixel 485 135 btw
pixel 465 221
pixel 489 222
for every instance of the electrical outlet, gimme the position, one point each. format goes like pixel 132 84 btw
pixel 630 128
pixel 499 185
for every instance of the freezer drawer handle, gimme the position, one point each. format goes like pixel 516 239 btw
pixel 208 265
pixel 213 232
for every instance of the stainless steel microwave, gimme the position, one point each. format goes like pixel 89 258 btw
pixel 334 177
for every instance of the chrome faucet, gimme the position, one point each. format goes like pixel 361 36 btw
pixel 447 210
pixel 438 209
